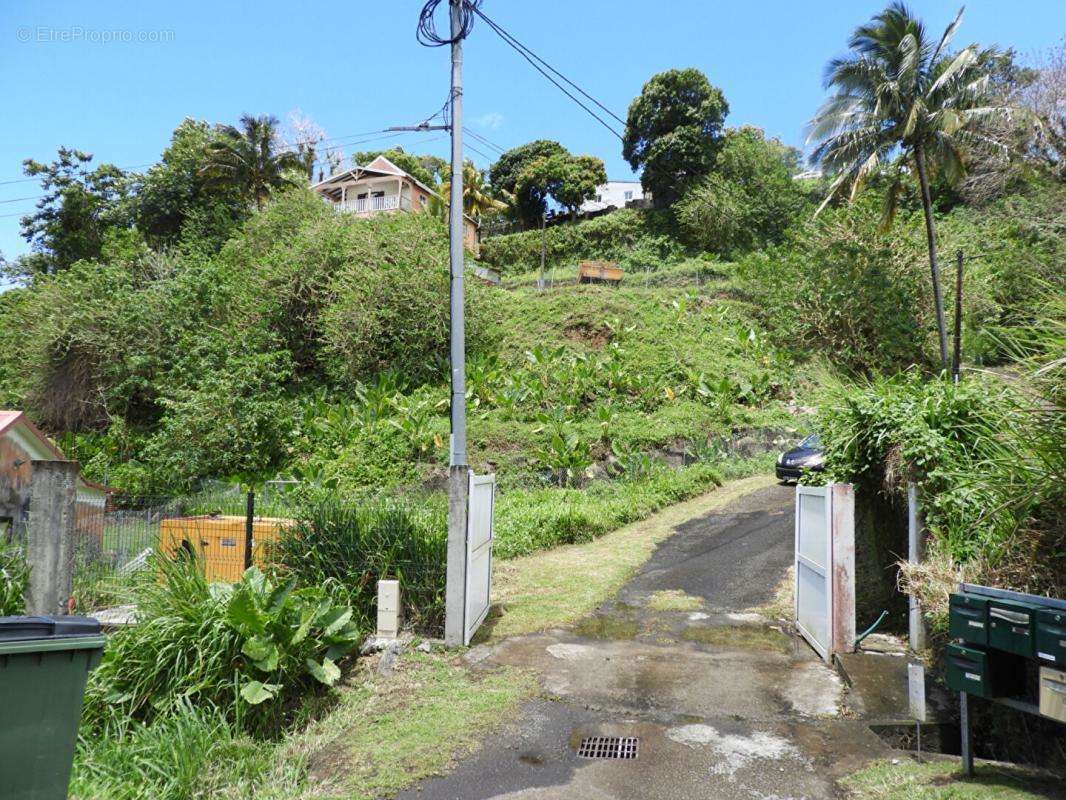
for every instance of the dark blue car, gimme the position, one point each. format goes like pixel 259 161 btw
pixel 807 455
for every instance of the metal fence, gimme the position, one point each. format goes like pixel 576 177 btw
pixel 228 529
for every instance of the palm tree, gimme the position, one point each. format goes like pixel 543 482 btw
pixel 477 201
pixel 249 158
pixel 901 99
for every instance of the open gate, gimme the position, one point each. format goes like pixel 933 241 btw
pixel 814 559
pixel 479 537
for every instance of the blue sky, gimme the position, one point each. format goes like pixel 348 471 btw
pixel 355 67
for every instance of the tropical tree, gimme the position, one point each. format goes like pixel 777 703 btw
pixel 673 130
pixel 178 198
pixel 477 201
pixel 249 158
pixel 904 99
pixel 529 205
pixel 569 180
pixel 80 204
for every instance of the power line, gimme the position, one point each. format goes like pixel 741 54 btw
pixel 427 34
pixel 484 141
pixel 469 146
pixel 529 56
pixel 280 147
pixel 317 160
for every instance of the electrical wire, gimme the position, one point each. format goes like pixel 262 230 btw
pixel 483 140
pixel 426 32
pixel 518 47
pixel 468 146
pixel 514 42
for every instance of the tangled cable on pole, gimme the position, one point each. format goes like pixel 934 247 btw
pixel 427 34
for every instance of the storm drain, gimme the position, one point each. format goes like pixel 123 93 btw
pixel 624 747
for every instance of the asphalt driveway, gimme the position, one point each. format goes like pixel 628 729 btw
pixel 724 702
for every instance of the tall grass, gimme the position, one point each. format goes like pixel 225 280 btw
pixel 13 576
pixel 245 648
pixel 346 548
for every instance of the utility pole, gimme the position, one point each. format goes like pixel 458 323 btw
pixel 956 364
pixel 543 252
pixel 458 472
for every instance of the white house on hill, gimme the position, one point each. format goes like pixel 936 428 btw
pixel 613 194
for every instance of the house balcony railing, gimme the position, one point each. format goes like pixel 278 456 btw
pixel 368 205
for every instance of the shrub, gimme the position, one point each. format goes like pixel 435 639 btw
pixel 613 236
pixel 748 201
pixel 348 548
pixel 240 647
pixel 842 287
pixel 989 466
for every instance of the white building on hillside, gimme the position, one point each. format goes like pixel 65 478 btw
pixel 613 194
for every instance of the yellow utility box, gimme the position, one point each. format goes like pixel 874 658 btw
pixel 220 542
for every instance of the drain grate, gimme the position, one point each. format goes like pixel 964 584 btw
pixel 624 747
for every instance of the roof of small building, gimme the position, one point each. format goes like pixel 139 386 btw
pixel 9 419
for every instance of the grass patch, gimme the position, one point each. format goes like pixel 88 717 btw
pixel 539 591
pixel 674 600
pixel 740 637
pixel 391 732
pixel 942 780
pixel 603 627
pixel 783 603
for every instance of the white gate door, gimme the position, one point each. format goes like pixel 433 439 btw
pixel 479 534
pixel 814 547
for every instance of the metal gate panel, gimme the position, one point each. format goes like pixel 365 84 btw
pixel 814 548
pixel 479 535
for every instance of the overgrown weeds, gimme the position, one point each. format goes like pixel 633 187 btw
pixel 345 548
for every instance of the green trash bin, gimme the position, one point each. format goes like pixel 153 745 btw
pixel 44 663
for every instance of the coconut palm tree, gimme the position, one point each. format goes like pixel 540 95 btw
pixel 477 201
pixel 249 158
pixel 902 99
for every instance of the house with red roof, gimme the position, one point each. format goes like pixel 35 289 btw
pixel 22 443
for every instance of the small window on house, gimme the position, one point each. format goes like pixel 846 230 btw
pixel 361 196
pixel 377 194
pixel 422 198
pixel 629 195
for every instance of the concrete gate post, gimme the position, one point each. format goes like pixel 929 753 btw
pixel 455 592
pixel 50 536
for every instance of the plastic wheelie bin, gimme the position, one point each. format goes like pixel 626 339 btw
pixel 44 663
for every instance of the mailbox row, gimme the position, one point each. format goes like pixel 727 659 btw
pixel 997 637
pixel 1012 626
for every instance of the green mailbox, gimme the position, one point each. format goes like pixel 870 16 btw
pixel 968 618
pixel 984 673
pixel 1051 635
pixel 1012 626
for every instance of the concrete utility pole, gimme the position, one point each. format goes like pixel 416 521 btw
pixel 956 362
pixel 458 472
pixel 543 251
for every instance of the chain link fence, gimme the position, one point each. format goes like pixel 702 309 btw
pixel 225 527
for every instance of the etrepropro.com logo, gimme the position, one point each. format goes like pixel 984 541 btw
pixel 47 34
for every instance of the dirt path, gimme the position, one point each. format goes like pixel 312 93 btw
pixel 724 703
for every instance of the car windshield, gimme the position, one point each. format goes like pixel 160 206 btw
pixel 812 442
